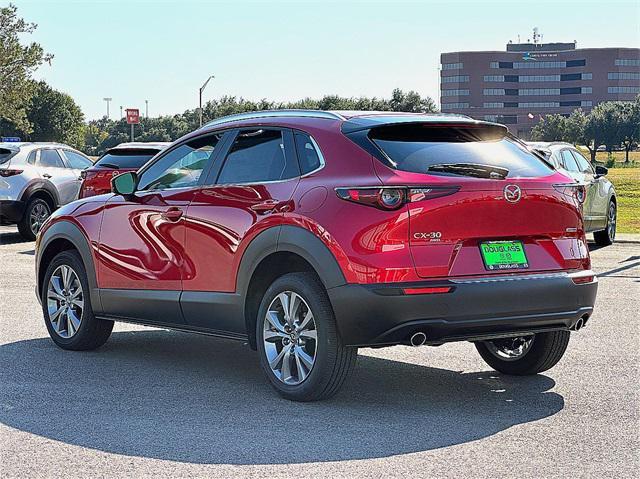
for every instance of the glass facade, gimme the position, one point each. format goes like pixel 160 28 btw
pixel 454 106
pixel 452 66
pixel 623 89
pixel 455 92
pixel 623 76
pixel 456 79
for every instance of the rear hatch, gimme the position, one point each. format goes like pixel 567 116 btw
pixel 480 203
pixel 97 179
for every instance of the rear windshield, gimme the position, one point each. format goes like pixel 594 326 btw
pixel 123 158
pixel 5 154
pixel 453 151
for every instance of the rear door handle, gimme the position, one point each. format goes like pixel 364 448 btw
pixel 172 214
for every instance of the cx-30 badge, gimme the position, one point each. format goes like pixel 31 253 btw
pixel 512 193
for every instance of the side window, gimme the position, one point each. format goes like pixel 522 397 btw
pixel 569 161
pixel 31 159
pixel 583 163
pixel 308 155
pixel 258 156
pixel 50 159
pixel 181 167
pixel 76 160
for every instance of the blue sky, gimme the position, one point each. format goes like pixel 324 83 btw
pixel 284 50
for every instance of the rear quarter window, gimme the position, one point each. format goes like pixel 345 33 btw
pixel 418 148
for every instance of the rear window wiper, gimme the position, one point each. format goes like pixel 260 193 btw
pixel 471 169
pixel 109 165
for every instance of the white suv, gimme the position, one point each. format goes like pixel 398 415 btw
pixel 35 179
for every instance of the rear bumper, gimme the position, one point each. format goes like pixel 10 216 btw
pixel 11 211
pixel 475 309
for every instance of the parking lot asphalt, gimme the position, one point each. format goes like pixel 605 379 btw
pixel 166 404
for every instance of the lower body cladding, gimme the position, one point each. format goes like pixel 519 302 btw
pixel 463 309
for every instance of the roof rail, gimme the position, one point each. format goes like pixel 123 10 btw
pixel 274 114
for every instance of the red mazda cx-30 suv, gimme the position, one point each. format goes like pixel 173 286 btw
pixel 310 234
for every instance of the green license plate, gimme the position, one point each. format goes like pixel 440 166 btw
pixel 503 255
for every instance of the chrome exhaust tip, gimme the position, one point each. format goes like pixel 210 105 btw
pixel 418 339
pixel 579 324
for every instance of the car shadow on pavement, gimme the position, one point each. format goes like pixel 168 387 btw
pixel 195 399
pixel 11 237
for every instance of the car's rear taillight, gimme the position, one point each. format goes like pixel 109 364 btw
pixel 573 190
pixel 5 173
pixel 392 197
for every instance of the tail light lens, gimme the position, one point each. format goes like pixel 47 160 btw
pixel 392 198
pixel 5 173
pixel 578 192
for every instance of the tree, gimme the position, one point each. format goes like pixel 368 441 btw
pixel 629 125
pixel 550 128
pixel 54 116
pixel 17 64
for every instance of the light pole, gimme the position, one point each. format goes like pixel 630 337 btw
pixel 201 90
pixel 121 112
pixel 107 99
pixel 146 108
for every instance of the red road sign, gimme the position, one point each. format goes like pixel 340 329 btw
pixel 133 116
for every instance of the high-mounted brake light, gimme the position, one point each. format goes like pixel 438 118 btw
pixel 573 190
pixel 5 173
pixel 391 197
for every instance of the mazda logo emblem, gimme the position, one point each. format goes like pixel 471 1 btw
pixel 512 193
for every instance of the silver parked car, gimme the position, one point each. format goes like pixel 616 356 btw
pixel 35 179
pixel 600 206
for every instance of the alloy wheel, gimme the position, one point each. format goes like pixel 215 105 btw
pixel 65 301
pixel 39 213
pixel 611 222
pixel 510 349
pixel 290 338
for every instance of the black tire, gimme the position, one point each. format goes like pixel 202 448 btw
pixel 92 332
pixel 545 352
pixel 607 236
pixel 24 225
pixel 333 360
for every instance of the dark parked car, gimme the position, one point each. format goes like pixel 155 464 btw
pixel 310 234
pixel 600 208
pixel 119 159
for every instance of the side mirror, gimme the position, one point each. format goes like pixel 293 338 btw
pixel 601 170
pixel 124 184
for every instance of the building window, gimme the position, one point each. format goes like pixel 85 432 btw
pixel 539 104
pixel 586 103
pixel 628 62
pixel 537 78
pixel 493 105
pixel 623 89
pixel 511 104
pixel 506 119
pixel 571 77
pixel 539 91
pixel 493 78
pixel 454 106
pixel 587 76
pixel 494 65
pixel 455 92
pixel 570 103
pixel 576 63
pixel 537 65
pixel 505 64
pixel 456 79
pixel 623 76
pixel 452 66
pixel 493 91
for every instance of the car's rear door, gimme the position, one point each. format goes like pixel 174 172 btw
pixel 247 192
pixel 77 163
pixel 50 166
pixel 141 251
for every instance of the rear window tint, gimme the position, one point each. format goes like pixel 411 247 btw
pixel 417 148
pixel 5 154
pixel 123 158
